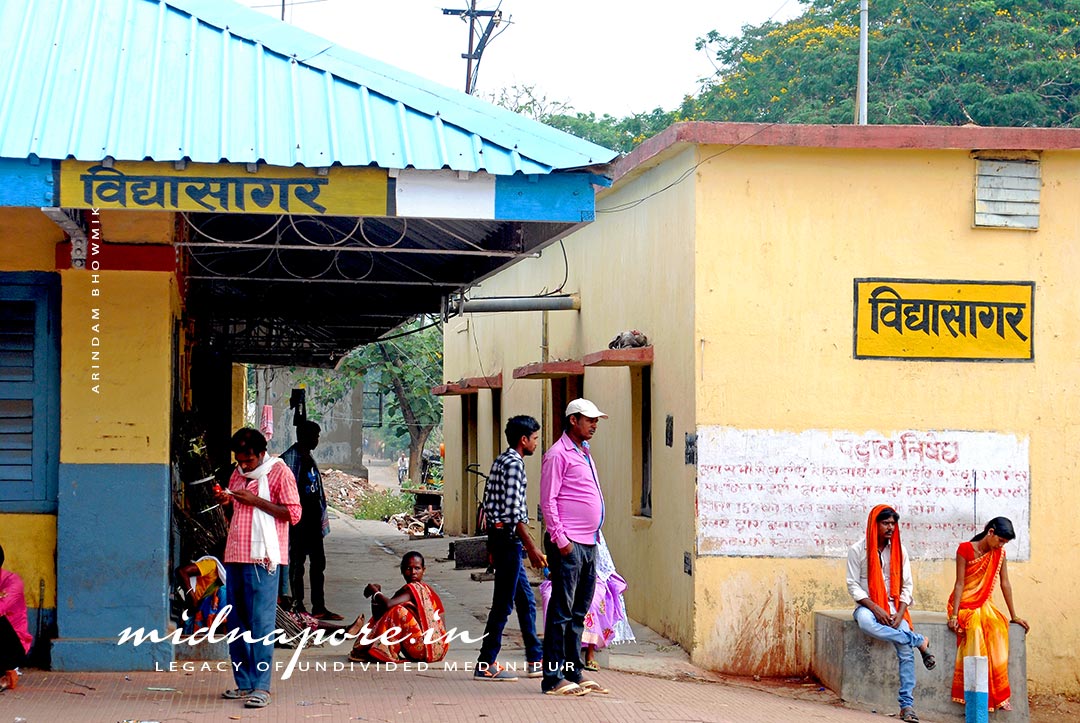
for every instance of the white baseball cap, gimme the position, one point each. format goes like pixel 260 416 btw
pixel 585 408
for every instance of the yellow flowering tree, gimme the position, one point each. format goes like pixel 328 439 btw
pixel 990 62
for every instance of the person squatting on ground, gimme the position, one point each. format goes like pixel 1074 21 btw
pixel 205 591
pixel 408 626
pixel 879 580
pixel 15 638
pixel 264 503
pixel 507 512
pixel 573 507
pixel 306 536
pixel 980 627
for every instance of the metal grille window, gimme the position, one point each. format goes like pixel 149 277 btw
pixel 29 380
pixel 1007 193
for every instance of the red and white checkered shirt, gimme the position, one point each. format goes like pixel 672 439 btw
pixel 282 492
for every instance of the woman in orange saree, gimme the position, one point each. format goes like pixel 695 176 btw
pixel 980 627
pixel 408 626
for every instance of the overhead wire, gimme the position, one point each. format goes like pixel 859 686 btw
pixel 627 205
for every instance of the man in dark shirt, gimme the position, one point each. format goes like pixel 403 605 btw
pixel 306 537
pixel 507 514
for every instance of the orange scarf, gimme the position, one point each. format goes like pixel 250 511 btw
pixel 874 577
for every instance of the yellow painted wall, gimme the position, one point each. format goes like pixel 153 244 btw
pixel 143 227
pixel 27 240
pixel 781 234
pixel 612 266
pixel 239 395
pixel 128 420
pixel 29 543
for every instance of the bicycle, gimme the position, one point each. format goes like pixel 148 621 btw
pixel 481 517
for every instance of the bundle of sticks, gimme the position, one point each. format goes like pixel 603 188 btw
pixel 419 524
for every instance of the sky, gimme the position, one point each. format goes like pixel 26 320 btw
pixel 604 56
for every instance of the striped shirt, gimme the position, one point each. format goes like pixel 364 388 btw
pixel 282 492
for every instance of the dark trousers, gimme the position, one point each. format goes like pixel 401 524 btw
pixel 12 654
pixel 512 590
pixel 306 542
pixel 252 591
pixel 573 579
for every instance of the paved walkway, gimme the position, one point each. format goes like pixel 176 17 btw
pixel 651 680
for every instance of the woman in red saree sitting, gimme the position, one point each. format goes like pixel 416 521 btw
pixel 980 627
pixel 417 613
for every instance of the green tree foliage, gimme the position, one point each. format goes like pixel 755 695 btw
pixel 404 369
pixel 951 62
pixel 618 134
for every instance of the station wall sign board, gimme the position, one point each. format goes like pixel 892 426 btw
pixel 932 320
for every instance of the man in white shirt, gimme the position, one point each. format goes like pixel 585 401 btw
pixel 880 584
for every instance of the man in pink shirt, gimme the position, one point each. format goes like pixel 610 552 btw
pixel 265 502
pixel 15 638
pixel 573 507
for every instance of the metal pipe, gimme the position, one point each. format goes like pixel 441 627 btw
pixel 569 302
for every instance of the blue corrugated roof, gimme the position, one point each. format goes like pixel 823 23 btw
pixel 210 80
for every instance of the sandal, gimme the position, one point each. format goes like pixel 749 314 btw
pixel 908 715
pixel 236 693
pixel 591 665
pixel 593 687
pixel 566 688
pixel 257 699
pixel 357 627
pixel 928 659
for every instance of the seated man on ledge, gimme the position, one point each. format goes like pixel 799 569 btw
pixel 879 580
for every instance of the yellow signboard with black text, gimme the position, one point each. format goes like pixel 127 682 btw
pixel 933 320
pixel 224 188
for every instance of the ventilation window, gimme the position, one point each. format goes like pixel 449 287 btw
pixel 1007 193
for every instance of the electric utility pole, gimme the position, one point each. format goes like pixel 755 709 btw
pixel 860 93
pixel 476 47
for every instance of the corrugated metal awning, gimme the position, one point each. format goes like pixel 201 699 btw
pixel 209 103
pixel 211 81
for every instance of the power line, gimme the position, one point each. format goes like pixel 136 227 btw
pixel 627 205
pixel 477 45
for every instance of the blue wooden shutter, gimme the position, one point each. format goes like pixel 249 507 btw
pixel 29 383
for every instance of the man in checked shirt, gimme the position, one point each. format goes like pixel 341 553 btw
pixel 508 533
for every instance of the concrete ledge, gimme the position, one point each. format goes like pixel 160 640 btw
pixel 202 651
pixel 86 654
pixel 862 671
pixel 469 552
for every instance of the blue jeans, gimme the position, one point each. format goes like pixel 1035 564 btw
pixel 252 591
pixel 904 639
pixel 573 579
pixel 512 590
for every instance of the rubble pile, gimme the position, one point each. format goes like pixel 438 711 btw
pixel 345 491
pixel 428 523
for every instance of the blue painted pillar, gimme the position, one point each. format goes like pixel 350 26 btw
pixel 112 561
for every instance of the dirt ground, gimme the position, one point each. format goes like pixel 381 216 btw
pixel 1053 709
